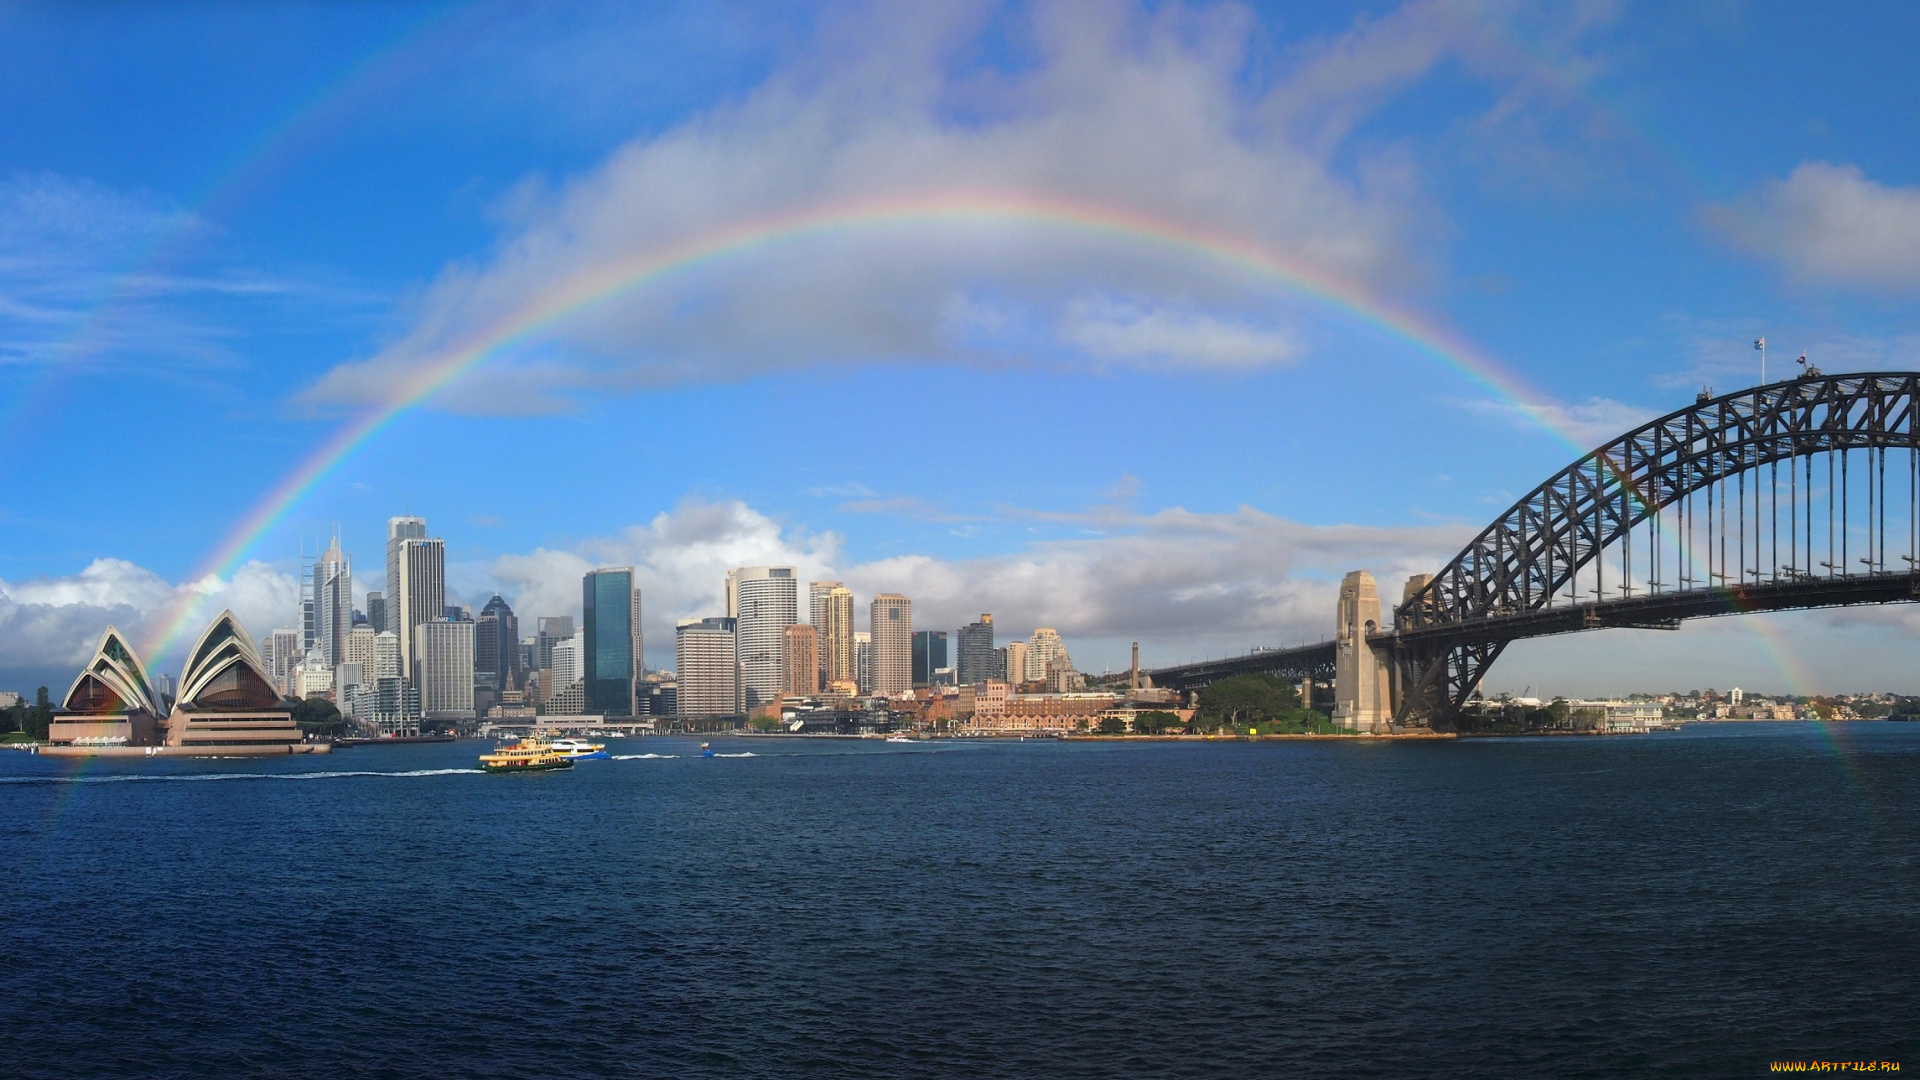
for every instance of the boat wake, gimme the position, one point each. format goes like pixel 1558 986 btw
pixel 748 753
pixel 128 778
pixel 643 757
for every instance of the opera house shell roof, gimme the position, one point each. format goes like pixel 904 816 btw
pixel 113 683
pixel 227 704
pixel 224 672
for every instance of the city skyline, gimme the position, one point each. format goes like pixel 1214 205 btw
pixel 1329 332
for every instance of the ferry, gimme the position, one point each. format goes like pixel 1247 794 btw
pixel 527 755
pixel 581 749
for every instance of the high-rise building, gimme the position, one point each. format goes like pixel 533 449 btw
pixel 975 662
pixel 1046 653
pixel 390 704
pixel 1015 668
pixel 817 594
pixel 387 662
pixel 333 603
pixel 929 655
pixel 377 611
pixel 443 666
pixel 457 613
pixel 496 646
pixel 863 661
pixel 566 663
pixel 708 677
pixel 360 649
pixel 421 566
pixel 610 616
pixel 800 660
pixel 553 629
pixel 766 600
pixel 399 530
pixel 835 627
pixel 891 625
pixel 281 656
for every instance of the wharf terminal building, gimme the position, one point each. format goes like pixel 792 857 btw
pixel 227 705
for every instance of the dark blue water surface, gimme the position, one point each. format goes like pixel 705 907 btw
pixel 1694 904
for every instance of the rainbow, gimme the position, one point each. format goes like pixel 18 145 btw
pixel 575 295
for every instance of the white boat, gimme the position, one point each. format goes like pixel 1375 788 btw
pixel 898 738
pixel 579 749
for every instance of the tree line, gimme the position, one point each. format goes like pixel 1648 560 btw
pixel 1242 705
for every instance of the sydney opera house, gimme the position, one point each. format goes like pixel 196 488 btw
pixel 227 703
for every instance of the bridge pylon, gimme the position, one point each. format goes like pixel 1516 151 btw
pixel 1362 678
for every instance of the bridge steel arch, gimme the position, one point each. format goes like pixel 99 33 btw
pixel 1642 494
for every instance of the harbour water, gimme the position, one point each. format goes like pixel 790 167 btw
pixel 1692 904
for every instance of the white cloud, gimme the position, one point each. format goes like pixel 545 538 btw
pixel 1830 224
pixel 1109 330
pixel 50 625
pixel 1156 114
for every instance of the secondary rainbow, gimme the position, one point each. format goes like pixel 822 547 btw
pixel 574 295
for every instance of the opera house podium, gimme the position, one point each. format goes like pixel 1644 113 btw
pixel 228 705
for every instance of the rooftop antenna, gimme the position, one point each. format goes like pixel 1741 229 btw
pixel 1761 344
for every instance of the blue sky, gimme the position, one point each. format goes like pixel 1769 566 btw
pixel 226 229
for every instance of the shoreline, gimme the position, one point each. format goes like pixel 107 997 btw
pixel 294 750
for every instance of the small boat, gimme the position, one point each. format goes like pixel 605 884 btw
pixel 527 755
pixel 898 738
pixel 706 750
pixel 580 749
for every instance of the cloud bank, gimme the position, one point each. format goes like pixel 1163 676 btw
pixel 49 626
pixel 1174 114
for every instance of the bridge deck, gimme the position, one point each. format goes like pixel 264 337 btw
pixel 1665 610
pixel 1300 662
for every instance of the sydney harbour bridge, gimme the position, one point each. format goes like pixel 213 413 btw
pixel 1797 494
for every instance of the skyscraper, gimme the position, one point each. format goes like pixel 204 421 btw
pixel 1016 666
pixel 800 660
pixel 863 661
pixel 766 601
pixel 1046 653
pixel 817 594
pixel 398 529
pixel 553 629
pixel 704 662
pixel 929 655
pixel 610 616
pixel 421 568
pixel 975 662
pixel 377 611
pixel 443 667
pixel 496 646
pixel 836 635
pixel 387 663
pixel 361 643
pixel 281 656
pixel 333 603
pixel 566 664
pixel 891 624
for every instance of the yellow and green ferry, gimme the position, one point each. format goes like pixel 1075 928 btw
pixel 527 755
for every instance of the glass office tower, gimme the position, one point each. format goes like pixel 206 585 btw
pixel 610 610
pixel 929 655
